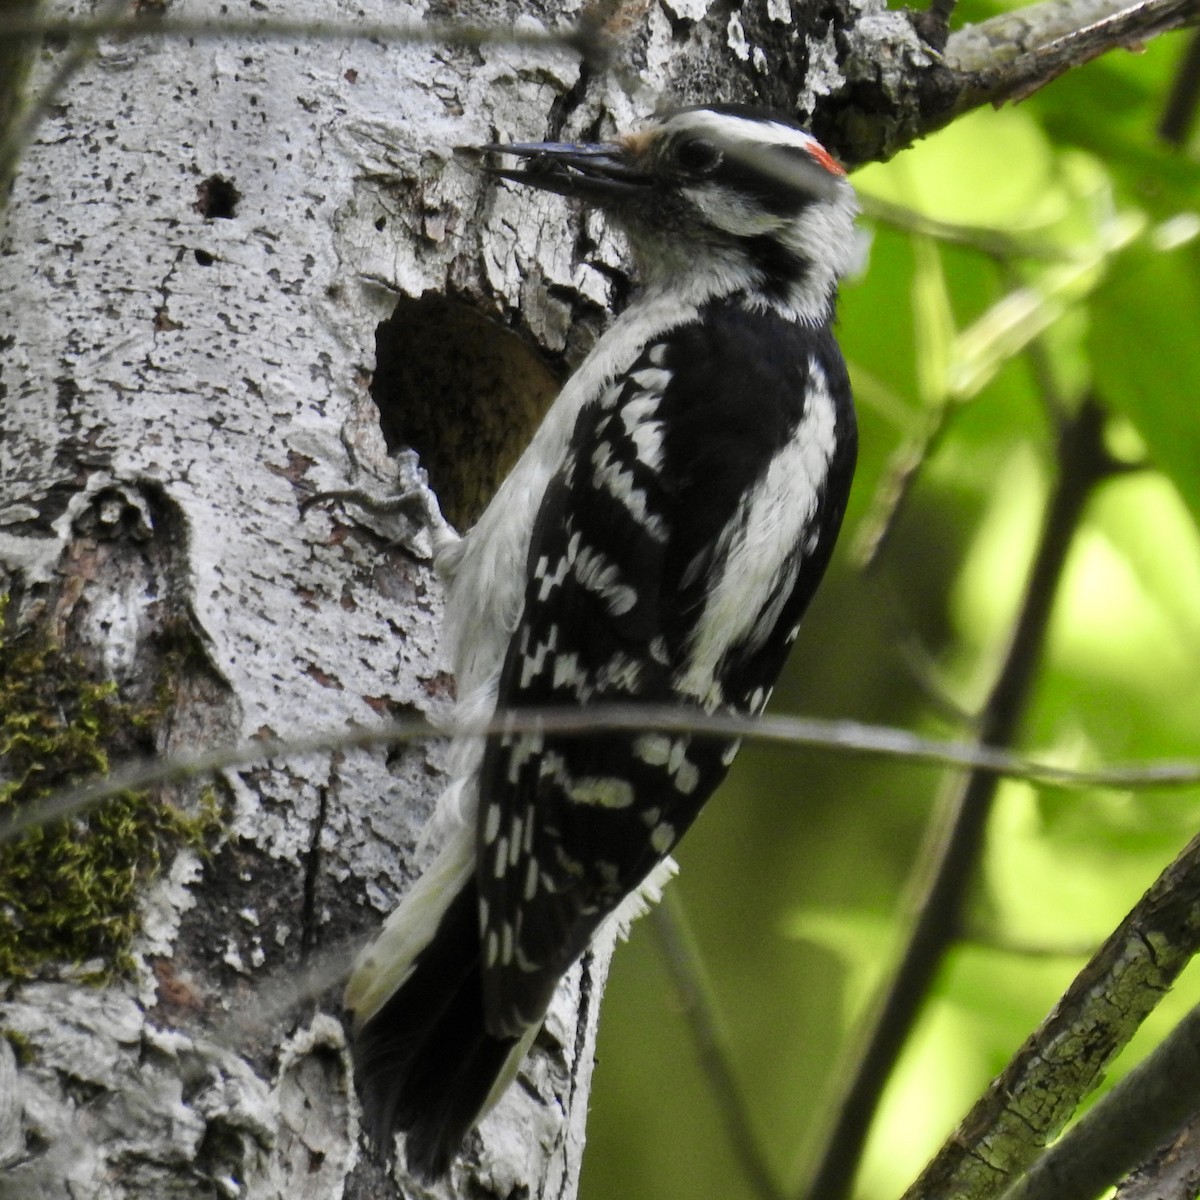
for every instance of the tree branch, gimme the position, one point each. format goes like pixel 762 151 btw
pixel 1004 58
pixel 1026 1105
pixel 1125 1127
pixel 1011 56
pixel 1172 1173
pixel 953 847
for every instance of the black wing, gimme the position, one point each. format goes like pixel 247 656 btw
pixel 669 476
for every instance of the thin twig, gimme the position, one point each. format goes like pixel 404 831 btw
pixel 995 243
pixel 1037 354
pixel 898 484
pixel 712 1045
pixel 20 132
pixel 953 846
pixel 1179 114
pixel 16 57
pixel 584 37
pixel 850 737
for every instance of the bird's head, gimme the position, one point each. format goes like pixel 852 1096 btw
pixel 717 200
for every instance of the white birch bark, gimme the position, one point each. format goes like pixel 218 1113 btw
pixel 200 248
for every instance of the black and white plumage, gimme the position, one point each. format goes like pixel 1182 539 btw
pixel 658 542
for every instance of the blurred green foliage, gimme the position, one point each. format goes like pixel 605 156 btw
pixel 793 878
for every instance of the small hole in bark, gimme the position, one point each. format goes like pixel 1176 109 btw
pixel 203 258
pixel 217 198
pixel 462 391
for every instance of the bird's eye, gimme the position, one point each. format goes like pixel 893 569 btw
pixel 697 156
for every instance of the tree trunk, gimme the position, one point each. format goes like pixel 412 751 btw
pixel 235 273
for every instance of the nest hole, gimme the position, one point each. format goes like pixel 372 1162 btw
pixel 463 391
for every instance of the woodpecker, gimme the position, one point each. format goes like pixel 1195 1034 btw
pixel 658 542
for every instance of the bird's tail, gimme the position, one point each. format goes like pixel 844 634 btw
pixel 425 1064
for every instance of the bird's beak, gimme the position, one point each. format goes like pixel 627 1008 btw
pixel 600 172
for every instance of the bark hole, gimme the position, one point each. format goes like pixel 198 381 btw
pixel 463 391
pixel 217 198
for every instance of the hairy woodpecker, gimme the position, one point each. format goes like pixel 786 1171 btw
pixel 657 542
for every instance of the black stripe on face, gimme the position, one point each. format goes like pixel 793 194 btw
pixel 780 267
pixel 779 178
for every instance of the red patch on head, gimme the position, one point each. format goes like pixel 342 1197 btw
pixel 826 159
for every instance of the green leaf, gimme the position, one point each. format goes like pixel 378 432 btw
pixel 1145 345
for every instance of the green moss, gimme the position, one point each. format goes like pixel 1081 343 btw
pixel 68 888
pixel 21 1046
